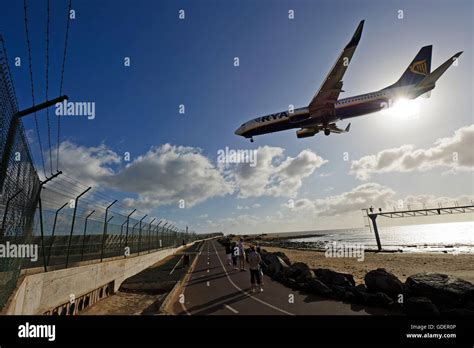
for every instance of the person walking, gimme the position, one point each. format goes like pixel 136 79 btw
pixel 228 252
pixel 254 266
pixel 241 254
pixel 259 251
pixel 235 254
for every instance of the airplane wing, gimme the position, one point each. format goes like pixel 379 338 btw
pixel 324 100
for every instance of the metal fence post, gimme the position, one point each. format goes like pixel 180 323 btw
pixel 72 224
pixel 168 235
pixel 157 237
pixel 133 231
pixel 42 183
pixel 105 229
pixel 52 233
pixel 126 233
pixel 163 235
pixel 84 236
pixel 121 233
pixel 42 233
pixel 149 235
pixel 140 234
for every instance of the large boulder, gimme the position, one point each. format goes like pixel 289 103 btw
pixel 315 286
pixel 274 265
pixel 291 283
pixel 381 280
pixel 379 299
pixel 300 272
pixel 338 291
pixel 442 289
pixel 470 305
pixel 420 306
pixel 282 256
pixel 360 292
pixel 457 312
pixel 329 277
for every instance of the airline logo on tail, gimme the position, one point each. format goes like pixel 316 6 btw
pixel 419 67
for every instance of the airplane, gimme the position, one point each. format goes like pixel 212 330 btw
pixel 325 109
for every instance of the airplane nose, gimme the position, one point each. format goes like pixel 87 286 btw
pixel 238 131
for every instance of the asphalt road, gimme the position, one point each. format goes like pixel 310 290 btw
pixel 214 288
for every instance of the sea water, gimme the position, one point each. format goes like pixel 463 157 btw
pixel 444 237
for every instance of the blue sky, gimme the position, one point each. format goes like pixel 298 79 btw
pixel 282 62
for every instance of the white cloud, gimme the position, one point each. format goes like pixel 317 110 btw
pixel 274 175
pixel 169 173
pixel 337 211
pixel 163 175
pixel 361 197
pixel 370 194
pixel 89 165
pixel 247 207
pixel 455 152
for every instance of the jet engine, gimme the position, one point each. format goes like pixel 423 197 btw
pixel 306 132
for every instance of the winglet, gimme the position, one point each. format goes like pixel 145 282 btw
pixel 357 35
pixel 457 55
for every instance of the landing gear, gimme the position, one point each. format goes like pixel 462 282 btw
pixel 327 131
pixel 251 140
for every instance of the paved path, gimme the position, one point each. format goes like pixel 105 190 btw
pixel 213 288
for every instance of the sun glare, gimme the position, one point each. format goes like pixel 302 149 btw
pixel 405 108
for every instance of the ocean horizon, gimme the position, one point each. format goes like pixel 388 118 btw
pixel 453 237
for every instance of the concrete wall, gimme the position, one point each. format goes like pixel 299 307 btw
pixel 40 292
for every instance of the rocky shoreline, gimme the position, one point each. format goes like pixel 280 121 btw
pixel 285 243
pixel 425 294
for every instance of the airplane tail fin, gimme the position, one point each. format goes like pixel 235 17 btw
pixel 418 69
pixel 431 79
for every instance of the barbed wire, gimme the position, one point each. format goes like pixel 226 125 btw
pixel 28 43
pixel 47 83
pixel 62 77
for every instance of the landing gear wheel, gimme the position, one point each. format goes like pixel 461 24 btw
pixel 251 140
pixel 327 131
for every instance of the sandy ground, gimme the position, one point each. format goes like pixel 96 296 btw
pixel 123 303
pixel 129 303
pixel 401 264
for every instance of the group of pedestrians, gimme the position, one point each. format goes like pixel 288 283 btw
pixel 237 258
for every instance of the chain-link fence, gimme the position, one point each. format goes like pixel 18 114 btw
pixel 19 182
pixel 61 230
pixel 65 244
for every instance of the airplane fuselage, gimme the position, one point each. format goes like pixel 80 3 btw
pixel 344 108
